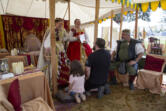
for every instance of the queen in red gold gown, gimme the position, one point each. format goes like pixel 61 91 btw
pixel 78 50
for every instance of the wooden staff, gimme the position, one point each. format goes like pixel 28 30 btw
pixel 96 19
pixel 136 23
pixel 69 12
pixel 121 21
pixel 53 44
pixel 112 12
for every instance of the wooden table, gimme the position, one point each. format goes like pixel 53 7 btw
pixel 32 85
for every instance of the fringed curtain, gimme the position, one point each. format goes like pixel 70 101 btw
pixel 16 28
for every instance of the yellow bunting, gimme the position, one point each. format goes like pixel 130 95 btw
pixel 113 1
pixel 109 17
pixel 113 15
pixel 135 6
pixel 132 6
pixel 154 5
pixel 123 2
pixel 125 13
pixel 163 4
pixel 100 21
pixel 128 3
pixel 131 12
pixel 119 1
pixel 104 19
pixel 145 7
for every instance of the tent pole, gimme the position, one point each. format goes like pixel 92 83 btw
pixel 121 21
pixel 112 12
pixel 96 19
pixel 69 12
pixel 136 23
pixel 53 43
pixel 144 33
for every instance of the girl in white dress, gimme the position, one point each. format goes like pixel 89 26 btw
pixel 76 81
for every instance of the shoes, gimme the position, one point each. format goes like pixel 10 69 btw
pixel 83 97
pixel 107 89
pixel 77 98
pixel 131 86
pixel 100 93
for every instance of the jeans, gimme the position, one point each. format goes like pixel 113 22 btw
pixel 136 67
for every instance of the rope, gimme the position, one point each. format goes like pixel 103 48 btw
pixel 7 6
pixel 2 7
pixel 65 13
pixel 45 9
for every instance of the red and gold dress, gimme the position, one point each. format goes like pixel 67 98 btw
pixel 77 50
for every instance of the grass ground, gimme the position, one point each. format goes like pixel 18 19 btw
pixel 122 99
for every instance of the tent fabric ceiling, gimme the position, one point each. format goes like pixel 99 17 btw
pixel 83 9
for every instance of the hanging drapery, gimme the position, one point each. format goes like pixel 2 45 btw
pixel 2 38
pixel 16 28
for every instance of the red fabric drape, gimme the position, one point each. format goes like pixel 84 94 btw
pixel 16 28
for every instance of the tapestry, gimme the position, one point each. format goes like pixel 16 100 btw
pixel 17 27
pixel 2 39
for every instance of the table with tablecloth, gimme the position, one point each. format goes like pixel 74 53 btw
pixel 32 85
pixel 149 80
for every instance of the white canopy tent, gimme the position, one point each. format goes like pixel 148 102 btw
pixel 83 9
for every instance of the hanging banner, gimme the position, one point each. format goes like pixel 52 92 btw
pixel 119 1
pixel 125 13
pixel 131 12
pixel 154 5
pixel 2 38
pixel 113 1
pixel 144 7
pixel 100 21
pixel 163 4
pixel 128 3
